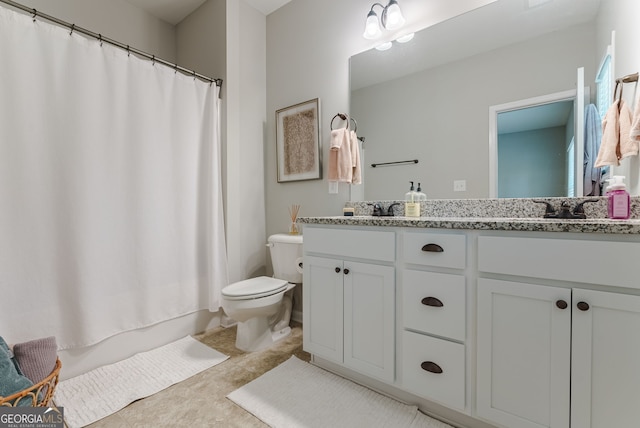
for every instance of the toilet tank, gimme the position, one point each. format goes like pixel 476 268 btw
pixel 286 257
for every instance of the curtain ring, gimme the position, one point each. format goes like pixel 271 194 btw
pixel 194 75
pixel 100 39
pixel 35 13
pixel 153 60
pixel 73 26
pixel 128 51
pixel 175 68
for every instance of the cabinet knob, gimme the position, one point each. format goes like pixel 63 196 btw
pixel 432 301
pixel 561 304
pixel 346 271
pixel 583 306
pixel 337 270
pixel 432 367
pixel 432 248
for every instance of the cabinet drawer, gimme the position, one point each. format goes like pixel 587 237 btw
pixel 362 244
pixel 420 354
pixel 591 262
pixel 435 249
pixel 442 317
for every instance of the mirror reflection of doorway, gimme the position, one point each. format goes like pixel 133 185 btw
pixel 536 151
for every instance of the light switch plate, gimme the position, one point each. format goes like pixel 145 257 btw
pixel 460 185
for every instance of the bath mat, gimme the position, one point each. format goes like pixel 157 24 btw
pixel 297 394
pixel 105 390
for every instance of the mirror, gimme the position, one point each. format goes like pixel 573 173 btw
pixel 429 99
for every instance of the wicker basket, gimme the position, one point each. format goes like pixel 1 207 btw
pixel 38 395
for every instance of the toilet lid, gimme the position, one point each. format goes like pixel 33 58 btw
pixel 254 288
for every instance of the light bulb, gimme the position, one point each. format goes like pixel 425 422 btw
pixel 372 27
pixel 394 18
pixel 384 46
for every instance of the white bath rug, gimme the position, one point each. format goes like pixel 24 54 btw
pixel 297 394
pixel 105 390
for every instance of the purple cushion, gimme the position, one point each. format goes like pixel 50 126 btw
pixel 37 358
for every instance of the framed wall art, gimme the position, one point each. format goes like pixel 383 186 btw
pixel 298 142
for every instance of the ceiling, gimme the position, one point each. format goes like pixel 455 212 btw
pixel 174 11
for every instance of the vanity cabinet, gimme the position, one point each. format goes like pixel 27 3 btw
pixel 508 329
pixel 433 291
pixel 554 354
pixel 349 299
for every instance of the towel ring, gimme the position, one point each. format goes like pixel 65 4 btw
pixel 355 124
pixel 341 116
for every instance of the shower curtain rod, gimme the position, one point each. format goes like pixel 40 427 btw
pixel 101 38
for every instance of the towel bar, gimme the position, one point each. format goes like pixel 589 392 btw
pixel 373 165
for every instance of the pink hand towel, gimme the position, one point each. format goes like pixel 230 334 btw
pixel 616 143
pixel 340 163
pixel 355 159
pixel 635 123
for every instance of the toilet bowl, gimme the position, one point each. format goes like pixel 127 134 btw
pixel 262 305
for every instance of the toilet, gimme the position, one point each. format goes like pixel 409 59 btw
pixel 262 305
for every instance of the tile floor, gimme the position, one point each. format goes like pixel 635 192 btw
pixel 200 401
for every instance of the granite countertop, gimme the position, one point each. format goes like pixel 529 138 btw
pixel 491 214
pixel 486 223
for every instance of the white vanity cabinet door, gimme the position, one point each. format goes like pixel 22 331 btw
pixel 605 390
pixel 323 307
pixel 369 319
pixel 349 314
pixel 523 358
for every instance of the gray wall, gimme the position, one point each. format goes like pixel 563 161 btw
pixel 440 116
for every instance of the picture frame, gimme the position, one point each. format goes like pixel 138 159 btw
pixel 298 142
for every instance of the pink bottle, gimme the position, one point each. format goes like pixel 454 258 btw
pixel 619 201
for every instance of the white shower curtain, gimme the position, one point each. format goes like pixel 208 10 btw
pixel 110 191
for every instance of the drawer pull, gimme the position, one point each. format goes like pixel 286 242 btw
pixel 432 248
pixel 432 367
pixel 432 301
pixel 561 304
pixel 583 306
pixel 337 270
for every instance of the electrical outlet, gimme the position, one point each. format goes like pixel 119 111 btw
pixel 460 185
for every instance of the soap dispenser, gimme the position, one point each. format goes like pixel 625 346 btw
pixel 421 195
pixel 619 202
pixel 411 203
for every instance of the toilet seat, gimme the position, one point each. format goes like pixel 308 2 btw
pixel 254 288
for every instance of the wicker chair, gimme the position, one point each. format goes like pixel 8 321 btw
pixel 39 395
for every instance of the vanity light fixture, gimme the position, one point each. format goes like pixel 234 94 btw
pixel 391 19
pixel 406 38
pixel 384 46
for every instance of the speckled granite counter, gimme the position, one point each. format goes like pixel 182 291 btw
pixel 486 223
pixel 491 214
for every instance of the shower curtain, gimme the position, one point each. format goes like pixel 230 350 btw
pixel 110 188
